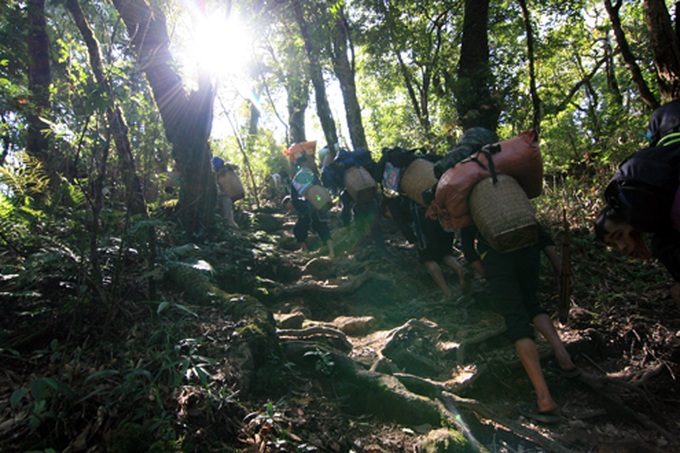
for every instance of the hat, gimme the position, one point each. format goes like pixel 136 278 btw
pixel 323 152
pixel 217 163
pixel 665 120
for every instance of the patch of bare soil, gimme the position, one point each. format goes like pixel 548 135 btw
pixel 623 332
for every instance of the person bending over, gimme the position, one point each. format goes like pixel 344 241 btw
pixel 308 217
pixel 513 279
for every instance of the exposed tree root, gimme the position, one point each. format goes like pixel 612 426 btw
pixel 379 394
pixel 452 401
pixel 342 286
pixel 318 332
pixel 601 386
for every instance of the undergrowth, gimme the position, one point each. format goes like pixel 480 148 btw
pixel 99 351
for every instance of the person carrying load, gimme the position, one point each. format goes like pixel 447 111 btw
pixel 349 176
pixel 508 258
pixel 311 202
pixel 229 189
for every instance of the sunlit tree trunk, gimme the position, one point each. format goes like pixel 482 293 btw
pixel 627 55
pixel 250 145
pixel 474 101
pixel 316 74
pixel 665 47
pixel 114 115
pixel 345 72
pixel 187 118
pixel 39 80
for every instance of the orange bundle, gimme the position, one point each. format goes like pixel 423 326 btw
pixel 518 157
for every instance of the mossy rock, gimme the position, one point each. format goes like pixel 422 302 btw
pixel 270 223
pixel 445 441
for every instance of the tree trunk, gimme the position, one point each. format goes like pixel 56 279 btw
pixel 316 74
pixel 250 144
pixel 187 119
pixel 475 105
pixel 627 54
pixel 535 99
pixel 409 83
pixel 39 80
pixel 610 69
pixel 119 129
pixel 665 47
pixel 345 72
pixel 297 89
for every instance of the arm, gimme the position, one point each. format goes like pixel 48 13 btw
pixel 400 217
pixel 467 244
pixel 550 252
pixel 547 246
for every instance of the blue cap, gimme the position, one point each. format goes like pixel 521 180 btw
pixel 217 163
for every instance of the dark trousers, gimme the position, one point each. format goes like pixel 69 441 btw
pixel 317 221
pixel 513 280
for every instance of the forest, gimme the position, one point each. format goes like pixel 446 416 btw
pixel 138 317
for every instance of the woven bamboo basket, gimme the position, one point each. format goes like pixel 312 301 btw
pixel 360 184
pixel 416 178
pixel 230 183
pixel 318 197
pixel 503 214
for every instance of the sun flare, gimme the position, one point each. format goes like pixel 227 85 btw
pixel 219 46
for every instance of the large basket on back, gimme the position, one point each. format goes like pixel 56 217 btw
pixel 360 184
pixel 503 214
pixel 417 177
pixel 318 197
pixel 230 183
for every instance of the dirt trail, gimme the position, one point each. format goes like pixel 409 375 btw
pixel 625 400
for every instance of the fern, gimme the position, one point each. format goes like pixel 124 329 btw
pixel 6 207
pixel 25 178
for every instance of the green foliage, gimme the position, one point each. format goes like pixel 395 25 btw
pixel 72 256
pixel 324 361
pixel 270 424
pixel 25 179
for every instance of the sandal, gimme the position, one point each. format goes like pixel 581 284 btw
pixel 531 412
pixel 572 373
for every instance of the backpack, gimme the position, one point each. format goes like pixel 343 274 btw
pixel 643 188
pixel 519 157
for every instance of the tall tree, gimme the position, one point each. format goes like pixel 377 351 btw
pixel 114 114
pixel 297 89
pixel 187 118
pixel 250 145
pixel 345 71
pixel 665 47
pixel 295 79
pixel 316 74
pixel 535 99
pixel 474 101
pixel 628 56
pixel 39 81
pixel 417 35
